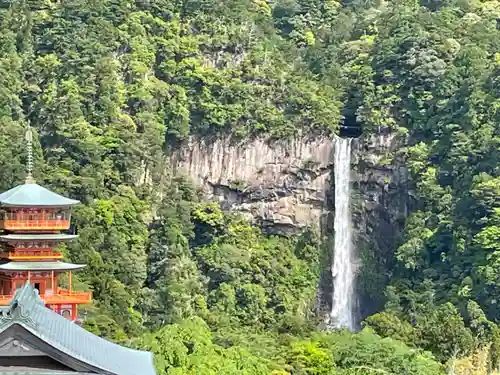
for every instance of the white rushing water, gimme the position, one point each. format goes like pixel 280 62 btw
pixel 343 269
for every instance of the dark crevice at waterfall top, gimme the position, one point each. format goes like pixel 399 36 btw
pixel 350 127
pixel 347 132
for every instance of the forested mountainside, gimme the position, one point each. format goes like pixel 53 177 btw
pixel 111 87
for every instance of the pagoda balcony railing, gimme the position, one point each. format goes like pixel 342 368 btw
pixel 34 224
pixel 25 254
pixel 37 215
pixel 62 296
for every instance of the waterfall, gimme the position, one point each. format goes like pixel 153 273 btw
pixel 343 268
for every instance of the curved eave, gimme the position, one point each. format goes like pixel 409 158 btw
pixel 31 205
pixel 38 237
pixel 40 266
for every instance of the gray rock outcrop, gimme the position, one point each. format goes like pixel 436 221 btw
pixel 381 202
pixel 280 185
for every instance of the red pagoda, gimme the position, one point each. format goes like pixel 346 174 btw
pixel 32 219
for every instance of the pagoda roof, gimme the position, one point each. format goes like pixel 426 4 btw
pixel 27 317
pixel 51 236
pixel 34 195
pixel 40 266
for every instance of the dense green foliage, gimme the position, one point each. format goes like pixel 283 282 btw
pixel 111 85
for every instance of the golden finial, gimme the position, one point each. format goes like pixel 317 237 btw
pixel 29 145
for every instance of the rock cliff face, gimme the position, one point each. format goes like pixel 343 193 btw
pixel 280 185
pixel 288 185
pixel 381 181
pixel 381 203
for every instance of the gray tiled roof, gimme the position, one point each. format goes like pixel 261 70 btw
pixel 51 236
pixel 64 335
pixel 37 371
pixel 43 372
pixel 34 195
pixel 40 266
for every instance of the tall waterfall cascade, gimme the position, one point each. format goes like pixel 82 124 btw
pixel 343 263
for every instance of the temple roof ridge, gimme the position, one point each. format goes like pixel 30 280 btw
pixel 19 307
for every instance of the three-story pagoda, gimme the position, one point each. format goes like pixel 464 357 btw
pixel 35 339
pixel 32 219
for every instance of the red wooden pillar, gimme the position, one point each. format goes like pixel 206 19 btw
pixel 73 312
pixel 70 281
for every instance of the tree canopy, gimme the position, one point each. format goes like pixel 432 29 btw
pixel 111 86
